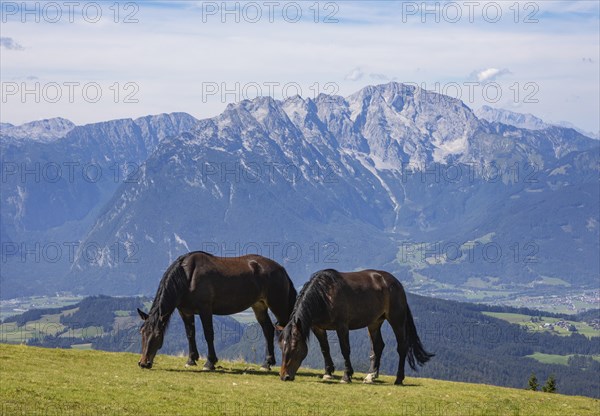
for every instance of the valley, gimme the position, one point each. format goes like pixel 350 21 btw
pixel 473 342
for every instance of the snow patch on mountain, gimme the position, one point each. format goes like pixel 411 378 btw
pixel 373 170
pixel 46 130
pixel 525 121
pixel 181 241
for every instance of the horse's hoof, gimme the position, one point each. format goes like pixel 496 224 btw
pixel 369 378
pixel 327 377
pixel 398 383
pixel 265 368
pixel 208 367
pixel 191 364
pixel 346 381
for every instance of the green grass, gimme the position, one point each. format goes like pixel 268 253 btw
pixel 54 381
pixel 552 281
pixel 550 358
pixel 87 332
pixel 81 346
pixel 525 320
pixel 35 302
pixel 48 325
pixel 555 358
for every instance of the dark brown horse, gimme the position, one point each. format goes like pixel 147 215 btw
pixel 344 301
pixel 203 284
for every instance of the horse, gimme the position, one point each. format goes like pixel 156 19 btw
pixel 333 300
pixel 203 284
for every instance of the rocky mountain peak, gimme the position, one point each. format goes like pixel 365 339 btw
pixel 45 130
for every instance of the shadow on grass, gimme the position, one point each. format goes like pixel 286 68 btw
pixel 359 380
pixel 224 370
pixel 275 374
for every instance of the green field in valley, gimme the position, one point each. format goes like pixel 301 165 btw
pixel 555 358
pixel 73 382
pixel 525 320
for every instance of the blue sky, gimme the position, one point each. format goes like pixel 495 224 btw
pixel 151 57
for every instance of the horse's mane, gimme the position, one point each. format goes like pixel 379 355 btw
pixel 173 285
pixel 313 300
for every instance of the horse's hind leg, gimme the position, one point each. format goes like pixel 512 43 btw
pixel 398 325
pixel 324 343
pixel 262 316
pixel 209 335
pixel 377 346
pixel 344 338
pixel 190 331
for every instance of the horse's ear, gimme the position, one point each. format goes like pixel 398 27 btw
pixel 142 314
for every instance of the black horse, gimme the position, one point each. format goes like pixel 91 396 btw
pixel 203 284
pixel 344 301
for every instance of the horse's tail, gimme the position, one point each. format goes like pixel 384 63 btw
pixel 416 351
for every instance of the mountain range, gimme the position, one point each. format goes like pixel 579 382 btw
pixel 391 177
pixel 525 121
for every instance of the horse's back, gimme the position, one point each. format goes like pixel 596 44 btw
pixel 357 298
pixel 370 279
pixel 250 265
pixel 362 297
pixel 232 284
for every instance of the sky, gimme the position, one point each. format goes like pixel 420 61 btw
pixel 90 61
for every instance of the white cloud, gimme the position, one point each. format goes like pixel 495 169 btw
pixel 171 52
pixel 10 43
pixel 489 74
pixel 381 77
pixel 354 75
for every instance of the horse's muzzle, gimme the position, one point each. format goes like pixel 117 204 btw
pixel 147 365
pixel 287 377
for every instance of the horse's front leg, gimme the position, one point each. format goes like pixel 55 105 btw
pixel 190 331
pixel 262 316
pixel 209 335
pixel 321 335
pixel 344 338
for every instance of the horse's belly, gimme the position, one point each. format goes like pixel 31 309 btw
pixel 353 323
pixel 357 322
pixel 229 309
pixel 227 296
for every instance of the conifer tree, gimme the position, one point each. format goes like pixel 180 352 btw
pixel 533 382
pixel 550 386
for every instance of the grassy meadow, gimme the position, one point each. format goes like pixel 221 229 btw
pixel 79 382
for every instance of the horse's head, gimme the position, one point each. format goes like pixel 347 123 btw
pixel 293 348
pixel 152 340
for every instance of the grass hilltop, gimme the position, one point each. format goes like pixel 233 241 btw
pixel 71 382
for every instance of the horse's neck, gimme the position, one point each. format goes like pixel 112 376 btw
pixel 165 313
pixel 167 301
pixel 307 320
